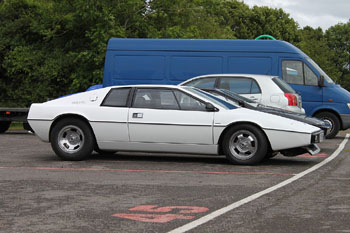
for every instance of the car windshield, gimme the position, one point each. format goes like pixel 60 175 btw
pixel 211 98
pixel 314 64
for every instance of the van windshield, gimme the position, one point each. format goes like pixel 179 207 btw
pixel 314 64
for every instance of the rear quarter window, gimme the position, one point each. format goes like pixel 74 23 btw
pixel 117 97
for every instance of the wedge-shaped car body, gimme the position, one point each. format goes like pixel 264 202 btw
pixel 230 97
pixel 166 119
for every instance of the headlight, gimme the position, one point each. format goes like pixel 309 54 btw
pixel 348 105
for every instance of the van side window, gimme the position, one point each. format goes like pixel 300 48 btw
pixel 297 72
pixel 310 76
pixel 292 72
pixel 202 83
pixel 240 85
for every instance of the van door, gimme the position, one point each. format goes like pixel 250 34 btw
pixel 304 80
pixel 243 86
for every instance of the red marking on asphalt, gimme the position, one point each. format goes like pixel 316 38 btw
pixel 159 218
pixel 151 171
pixel 152 208
pixel 307 155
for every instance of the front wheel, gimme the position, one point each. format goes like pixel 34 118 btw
pixel 333 120
pixel 72 139
pixel 245 144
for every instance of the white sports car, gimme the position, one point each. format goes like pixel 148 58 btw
pixel 160 118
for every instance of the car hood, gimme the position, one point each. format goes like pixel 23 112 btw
pixel 294 116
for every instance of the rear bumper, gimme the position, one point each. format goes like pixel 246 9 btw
pixel 345 119
pixel 14 114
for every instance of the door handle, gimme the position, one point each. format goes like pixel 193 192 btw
pixel 137 115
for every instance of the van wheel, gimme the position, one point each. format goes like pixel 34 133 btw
pixel 72 139
pixel 245 144
pixel 333 120
pixel 4 126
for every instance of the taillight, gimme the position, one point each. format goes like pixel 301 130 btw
pixel 292 99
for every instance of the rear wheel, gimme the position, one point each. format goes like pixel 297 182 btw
pixel 72 139
pixel 4 126
pixel 333 120
pixel 245 144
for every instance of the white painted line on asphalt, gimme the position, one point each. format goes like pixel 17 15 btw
pixel 237 204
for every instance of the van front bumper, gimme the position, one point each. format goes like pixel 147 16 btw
pixel 345 119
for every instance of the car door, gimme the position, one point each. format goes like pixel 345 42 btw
pixel 244 86
pixel 168 116
pixel 112 117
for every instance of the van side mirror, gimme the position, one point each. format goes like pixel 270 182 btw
pixel 210 107
pixel 321 81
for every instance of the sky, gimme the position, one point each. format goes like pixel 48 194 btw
pixel 317 13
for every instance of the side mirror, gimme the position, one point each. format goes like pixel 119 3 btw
pixel 210 107
pixel 321 81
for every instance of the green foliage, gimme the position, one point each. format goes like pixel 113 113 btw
pixel 248 23
pixel 314 44
pixel 49 48
pixel 52 48
pixel 185 19
pixel 338 39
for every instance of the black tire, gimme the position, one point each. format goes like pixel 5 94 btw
pixel 72 139
pixel 245 144
pixel 333 120
pixel 26 126
pixel 270 155
pixel 104 152
pixel 4 126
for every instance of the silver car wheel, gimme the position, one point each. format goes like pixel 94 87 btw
pixel 70 139
pixel 243 144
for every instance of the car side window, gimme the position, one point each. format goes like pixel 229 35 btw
pixel 117 97
pixel 155 99
pixel 292 72
pixel 255 88
pixel 240 85
pixel 187 102
pixel 202 83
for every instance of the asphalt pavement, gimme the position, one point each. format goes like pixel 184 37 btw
pixel 147 192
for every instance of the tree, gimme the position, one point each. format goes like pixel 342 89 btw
pixel 185 19
pixel 248 23
pixel 51 48
pixel 338 39
pixel 314 44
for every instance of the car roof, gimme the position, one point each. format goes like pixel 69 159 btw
pixel 255 76
pixel 236 75
pixel 148 86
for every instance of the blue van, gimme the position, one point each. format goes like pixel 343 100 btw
pixel 171 61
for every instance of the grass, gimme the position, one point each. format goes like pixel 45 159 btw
pixel 15 125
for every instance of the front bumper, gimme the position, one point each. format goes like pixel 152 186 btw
pixel 311 149
pixel 345 119
pixel 317 137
